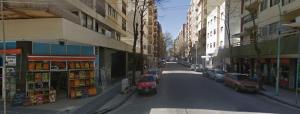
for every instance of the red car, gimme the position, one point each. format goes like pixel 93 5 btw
pixel 147 84
pixel 240 82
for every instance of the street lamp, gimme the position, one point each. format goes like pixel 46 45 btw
pixel 296 25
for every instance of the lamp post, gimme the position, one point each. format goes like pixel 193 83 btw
pixel 196 52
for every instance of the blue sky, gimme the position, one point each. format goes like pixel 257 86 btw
pixel 172 14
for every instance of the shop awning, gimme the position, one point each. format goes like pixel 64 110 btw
pixel 61 58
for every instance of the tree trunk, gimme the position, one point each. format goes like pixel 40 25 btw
pixel 135 35
pixel 141 42
pixel 142 11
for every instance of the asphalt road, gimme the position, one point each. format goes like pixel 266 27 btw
pixel 186 92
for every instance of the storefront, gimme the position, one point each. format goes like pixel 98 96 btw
pixel 39 73
pixel 58 77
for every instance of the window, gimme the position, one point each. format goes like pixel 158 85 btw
pixel 215 32
pixel 210 45
pixel 118 36
pixel 222 14
pixel 103 31
pixel 112 12
pixel 109 10
pixel 89 22
pixel 84 20
pixel 124 7
pixel 274 2
pixel 285 2
pixel 221 43
pixel 263 5
pixel 214 44
pixel 264 31
pixel 215 18
pixel 210 33
pixel 123 24
pixel 222 29
pixel 273 28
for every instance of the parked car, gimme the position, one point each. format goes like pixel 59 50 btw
pixel 240 82
pixel 156 72
pixel 193 67
pixel 205 72
pixel 147 85
pixel 196 67
pixel 219 75
pixel 211 73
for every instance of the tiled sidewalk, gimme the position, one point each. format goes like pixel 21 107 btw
pixel 285 96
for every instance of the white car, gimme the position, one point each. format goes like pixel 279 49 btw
pixel 195 67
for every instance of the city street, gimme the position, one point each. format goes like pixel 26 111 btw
pixel 186 92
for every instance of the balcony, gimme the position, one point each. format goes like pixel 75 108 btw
pixel 46 9
pixel 289 48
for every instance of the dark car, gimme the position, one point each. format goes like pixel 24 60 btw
pixel 240 82
pixel 147 84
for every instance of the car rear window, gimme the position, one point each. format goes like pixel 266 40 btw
pixel 147 79
pixel 220 72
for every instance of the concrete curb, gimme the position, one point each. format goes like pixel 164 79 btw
pixel 113 107
pixel 279 100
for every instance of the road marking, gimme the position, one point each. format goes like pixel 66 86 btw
pixel 180 72
pixel 197 111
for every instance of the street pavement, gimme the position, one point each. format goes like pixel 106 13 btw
pixel 186 92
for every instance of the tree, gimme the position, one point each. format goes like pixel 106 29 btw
pixel 135 37
pixel 254 37
pixel 168 39
pixel 142 12
pixel 139 8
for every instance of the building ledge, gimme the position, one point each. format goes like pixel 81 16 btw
pixel 54 29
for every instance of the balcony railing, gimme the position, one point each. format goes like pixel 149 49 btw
pixel 248 18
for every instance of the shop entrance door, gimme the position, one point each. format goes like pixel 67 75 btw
pixel 59 82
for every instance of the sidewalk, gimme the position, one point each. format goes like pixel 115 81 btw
pixel 115 102
pixel 285 96
pixel 69 106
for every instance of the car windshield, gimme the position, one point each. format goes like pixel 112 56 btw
pixel 147 79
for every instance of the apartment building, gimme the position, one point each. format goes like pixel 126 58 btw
pixel 223 24
pixel 51 36
pixel 152 27
pixel 268 18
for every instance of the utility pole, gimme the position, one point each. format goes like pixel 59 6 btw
pixel 278 52
pixel 4 60
pixel 297 73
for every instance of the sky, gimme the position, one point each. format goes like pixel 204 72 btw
pixel 172 14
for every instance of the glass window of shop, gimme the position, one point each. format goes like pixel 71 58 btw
pixel 56 49
pixel 9 45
